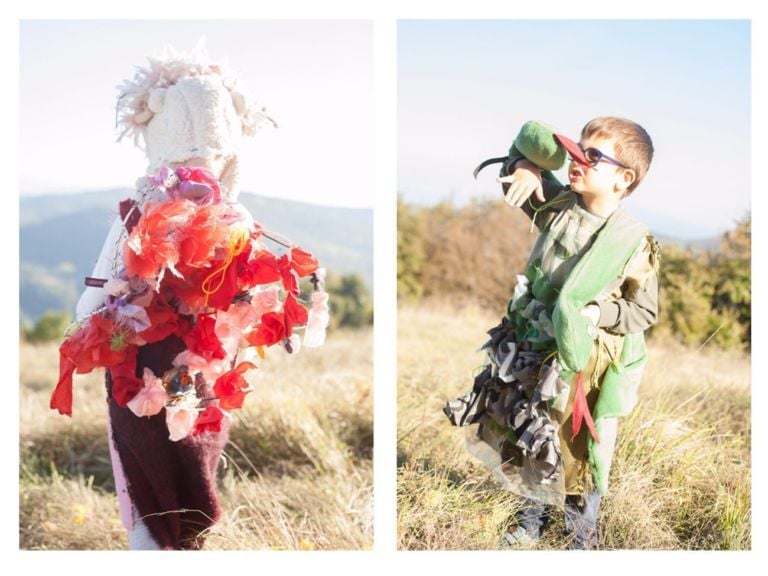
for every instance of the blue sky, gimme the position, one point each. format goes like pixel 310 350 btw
pixel 465 87
pixel 314 77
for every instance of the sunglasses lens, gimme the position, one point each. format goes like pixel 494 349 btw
pixel 593 155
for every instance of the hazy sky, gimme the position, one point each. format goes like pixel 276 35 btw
pixel 465 88
pixel 314 77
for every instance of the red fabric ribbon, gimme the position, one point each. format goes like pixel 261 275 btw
pixel 61 399
pixel 581 411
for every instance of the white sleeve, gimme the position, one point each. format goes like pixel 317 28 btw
pixel 92 298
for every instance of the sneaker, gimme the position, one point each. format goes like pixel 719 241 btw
pixel 518 538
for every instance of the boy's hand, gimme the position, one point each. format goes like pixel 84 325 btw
pixel 524 181
pixel 592 313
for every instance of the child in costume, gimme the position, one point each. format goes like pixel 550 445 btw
pixel 566 360
pixel 185 297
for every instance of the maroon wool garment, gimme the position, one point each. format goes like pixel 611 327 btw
pixel 172 485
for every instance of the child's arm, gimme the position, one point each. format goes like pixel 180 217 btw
pixel 637 308
pixel 524 187
pixel 93 298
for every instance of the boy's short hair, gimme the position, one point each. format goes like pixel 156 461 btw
pixel 633 144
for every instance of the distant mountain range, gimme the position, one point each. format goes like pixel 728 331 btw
pixel 699 244
pixel 61 236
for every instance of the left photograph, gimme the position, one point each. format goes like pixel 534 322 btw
pixel 196 269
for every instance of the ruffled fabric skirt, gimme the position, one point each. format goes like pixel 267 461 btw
pixel 513 404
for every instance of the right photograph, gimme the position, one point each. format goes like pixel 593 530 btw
pixel 574 285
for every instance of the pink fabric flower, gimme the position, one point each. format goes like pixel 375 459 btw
pixel 265 301
pixel 133 316
pixel 319 317
pixel 231 324
pixel 151 398
pixel 180 418
pixel 198 185
pixel 164 178
pixel 210 370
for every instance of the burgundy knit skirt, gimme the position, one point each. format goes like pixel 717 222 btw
pixel 172 485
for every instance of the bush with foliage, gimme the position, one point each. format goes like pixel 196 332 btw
pixel 48 328
pixel 473 253
pixel 707 295
pixel 349 300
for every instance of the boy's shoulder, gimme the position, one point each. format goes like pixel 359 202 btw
pixel 647 253
pixel 624 220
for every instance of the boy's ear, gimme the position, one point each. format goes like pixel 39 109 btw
pixel 625 180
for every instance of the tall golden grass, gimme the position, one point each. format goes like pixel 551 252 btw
pixel 681 474
pixel 298 471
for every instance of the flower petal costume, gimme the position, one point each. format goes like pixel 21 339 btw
pixel 186 291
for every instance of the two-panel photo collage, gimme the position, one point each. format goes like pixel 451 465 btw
pixel 569 329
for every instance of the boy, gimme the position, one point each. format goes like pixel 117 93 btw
pixel 570 349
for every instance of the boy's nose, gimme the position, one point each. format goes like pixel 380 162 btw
pixel 576 168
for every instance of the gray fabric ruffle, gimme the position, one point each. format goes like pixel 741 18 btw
pixel 510 397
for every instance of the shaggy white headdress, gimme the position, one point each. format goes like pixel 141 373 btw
pixel 183 106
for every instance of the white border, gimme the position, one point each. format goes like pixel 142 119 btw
pixel 384 555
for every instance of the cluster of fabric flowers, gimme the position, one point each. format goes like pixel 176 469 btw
pixel 196 267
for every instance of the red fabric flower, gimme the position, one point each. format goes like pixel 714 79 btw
pixel 294 313
pixel 200 236
pixel 230 387
pixel 163 320
pixel 92 346
pixel 202 339
pixel 232 283
pixel 270 331
pixel 290 280
pixel 125 383
pixel 261 269
pixel 152 244
pixel 209 420
pixel 186 290
pixel 99 343
pixel 303 262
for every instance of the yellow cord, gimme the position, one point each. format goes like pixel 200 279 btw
pixel 547 357
pixel 237 244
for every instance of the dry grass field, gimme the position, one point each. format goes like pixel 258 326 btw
pixel 298 473
pixel 681 474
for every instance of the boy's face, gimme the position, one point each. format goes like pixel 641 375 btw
pixel 604 179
